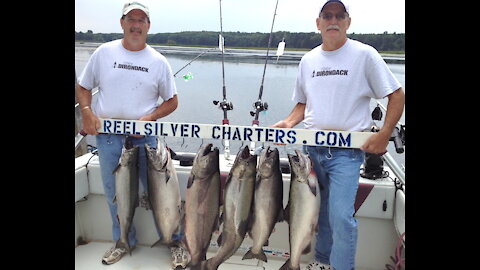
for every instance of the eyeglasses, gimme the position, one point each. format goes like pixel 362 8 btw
pixel 132 20
pixel 329 16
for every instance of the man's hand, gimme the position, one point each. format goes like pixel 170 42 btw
pixel 90 122
pixel 377 143
pixel 147 117
pixel 280 124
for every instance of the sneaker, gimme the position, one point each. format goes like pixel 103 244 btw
pixel 317 266
pixel 113 255
pixel 180 257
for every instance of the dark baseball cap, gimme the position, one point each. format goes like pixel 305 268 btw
pixel 345 6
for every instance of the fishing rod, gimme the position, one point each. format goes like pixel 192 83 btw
pixel 259 105
pixel 224 105
pixel 204 52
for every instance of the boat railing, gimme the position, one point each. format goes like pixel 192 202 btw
pixel 391 162
pixel 393 165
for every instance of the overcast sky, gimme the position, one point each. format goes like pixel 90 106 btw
pixel 368 16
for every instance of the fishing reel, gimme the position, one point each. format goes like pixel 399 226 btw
pixel 398 134
pixel 397 137
pixel 224 105
pixel 377 114
pixel 259 107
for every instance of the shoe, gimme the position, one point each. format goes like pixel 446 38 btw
pixel 317 266
pixel 180 257
pixel 114 254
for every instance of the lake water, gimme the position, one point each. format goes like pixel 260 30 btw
pixel 242 80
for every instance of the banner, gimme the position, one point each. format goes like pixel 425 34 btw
pixel 331 138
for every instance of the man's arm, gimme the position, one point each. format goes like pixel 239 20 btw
pixel 295 117
pixel 166 108
pixel 377 143
pixel 90 121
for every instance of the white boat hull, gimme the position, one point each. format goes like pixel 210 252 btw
pixel 380 223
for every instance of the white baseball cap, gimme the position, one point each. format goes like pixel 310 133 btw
pixel 345 5
pixel 131 5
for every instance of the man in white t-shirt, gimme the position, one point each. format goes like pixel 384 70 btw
pixel 334 86
pixel 131 76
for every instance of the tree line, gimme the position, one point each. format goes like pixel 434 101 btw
pixel 301 40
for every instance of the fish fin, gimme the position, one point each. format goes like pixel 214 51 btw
pixel 247 224
pixel 191 178
pixel 286 214
pixel 307 249
pixel 220 219
pixel 281 215
pixel 266 244
pixel 313 188
pixel 216 224
pixel 114 199
pixel 220 216
pixel 286 266
pixel 312 184
pixel 167 175
pixel 251 255
pixel 116 168
pixel 219 239
pixel 248 255
pixel 154 244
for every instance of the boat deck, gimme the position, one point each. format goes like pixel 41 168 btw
pixel 88 257
pixel 380 219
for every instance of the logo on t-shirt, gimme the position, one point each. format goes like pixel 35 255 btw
pixel 329 72
pixel 129 66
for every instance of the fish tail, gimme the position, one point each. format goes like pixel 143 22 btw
pixel 159 241
pixel 251 255
pixel 287 266
pixel 195 267
pixel 208 265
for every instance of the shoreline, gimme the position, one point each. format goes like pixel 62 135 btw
pixel 253 53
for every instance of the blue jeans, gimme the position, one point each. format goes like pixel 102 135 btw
pixel 338 172
pixel 109 150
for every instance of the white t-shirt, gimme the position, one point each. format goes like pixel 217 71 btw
pixel 337 86
pixel 129 82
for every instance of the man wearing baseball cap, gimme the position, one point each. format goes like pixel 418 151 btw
pixel 335 83
pixel 131 78
pixel 135 35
